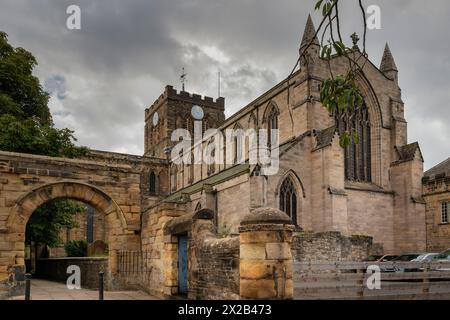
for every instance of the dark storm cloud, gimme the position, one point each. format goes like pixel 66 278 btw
pixel 103 76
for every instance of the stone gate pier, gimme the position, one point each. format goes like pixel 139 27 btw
pixel 266 261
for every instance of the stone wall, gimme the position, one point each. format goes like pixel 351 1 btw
pixel 435 192
pixel 330 247
pixel 162 247
pixel 55 269
pixel 215 272
pixel 409 208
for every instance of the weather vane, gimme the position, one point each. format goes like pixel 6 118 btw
pixel 183 78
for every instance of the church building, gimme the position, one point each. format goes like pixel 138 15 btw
pixel 372 187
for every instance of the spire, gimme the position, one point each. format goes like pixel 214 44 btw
pixel 309 35
pixel 388 66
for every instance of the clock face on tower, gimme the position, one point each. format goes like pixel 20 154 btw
pixel 197 112
pixel 155 119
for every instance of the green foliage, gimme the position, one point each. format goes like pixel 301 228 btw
pixel 224 231
pixel 339 93
pixel 76 248
pixel 47 221
pixel 29 136
pixel 19 85
pixel 25 121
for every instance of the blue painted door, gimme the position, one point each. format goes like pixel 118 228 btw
pixel 182 265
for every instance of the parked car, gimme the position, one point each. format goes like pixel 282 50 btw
pixel 387 258
pixel 426 257
pixel 423 258
pixel 374 258
pixel 403 258
pixel 443 257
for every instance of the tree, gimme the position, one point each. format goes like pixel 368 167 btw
pixel 20 92
pixel 25 121
pixel 26 126
pixel 46 223
pixel 29 136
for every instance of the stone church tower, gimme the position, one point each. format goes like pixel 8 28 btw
pixel 173 110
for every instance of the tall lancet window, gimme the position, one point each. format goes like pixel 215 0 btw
pixel 173 177
pixel 152 183
pixel 288 199
pixel 358 153
pixel 272 124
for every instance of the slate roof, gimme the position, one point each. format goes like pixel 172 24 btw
pixel 407 152
pixel 230 173
pixel 292 142
pixel 325 137
pixel 442 169
pixel 212 180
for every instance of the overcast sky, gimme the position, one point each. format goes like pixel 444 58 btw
pixel 103 76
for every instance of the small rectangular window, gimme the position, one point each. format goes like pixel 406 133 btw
pixel 445 208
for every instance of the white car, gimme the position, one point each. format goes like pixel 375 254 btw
pixel 426 257
pixel 443 257
pixel 423 258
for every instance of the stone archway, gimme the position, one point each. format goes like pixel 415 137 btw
pixel 25 206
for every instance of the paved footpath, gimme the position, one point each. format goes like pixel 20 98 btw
pixel 48 290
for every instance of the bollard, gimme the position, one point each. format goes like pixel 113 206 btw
pixel 27 286
pixel 101 276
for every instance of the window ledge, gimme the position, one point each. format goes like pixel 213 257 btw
pixel 365 186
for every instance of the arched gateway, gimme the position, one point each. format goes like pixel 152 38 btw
pixel 27 204
pixel 114 184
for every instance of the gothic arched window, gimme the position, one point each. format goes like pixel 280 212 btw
pixel 190 126
pixel 182 168
pixel 252 121
pixel 211 167
pixel 173 177
pixel 191 169
pixel 288 199
pixel 207 123
pixel 152 183
pixel 237 144
pixel 272 123
pixel 358 152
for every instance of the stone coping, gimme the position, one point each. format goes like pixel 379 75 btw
pixel 266 215
pixel 75 258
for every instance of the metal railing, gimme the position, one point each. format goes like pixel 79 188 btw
pixel 132 262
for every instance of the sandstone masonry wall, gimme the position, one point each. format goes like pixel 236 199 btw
pixel 215 273
pixel 55 269
pixel 435 192
pixel 330 247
